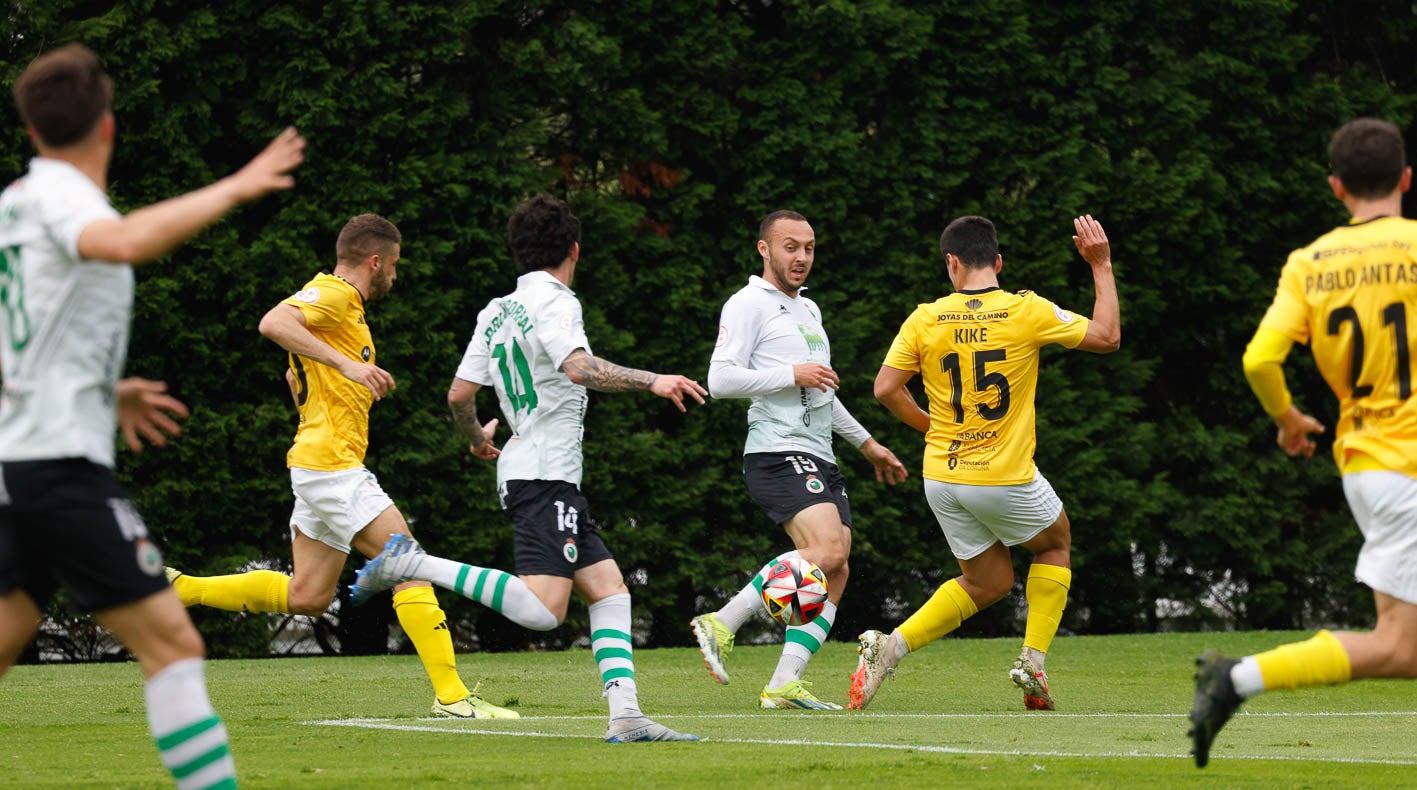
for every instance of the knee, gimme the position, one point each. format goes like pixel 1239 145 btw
pixel 831 558
pixel 309 603
pixel 989 589
pixel 1402 659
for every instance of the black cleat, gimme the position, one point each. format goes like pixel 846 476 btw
pixel 1216 701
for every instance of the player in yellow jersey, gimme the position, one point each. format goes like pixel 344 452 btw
pixel 976 351
pixel 334 379
pixel 1352 296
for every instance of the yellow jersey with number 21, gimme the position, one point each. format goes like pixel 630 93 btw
pixel 1352 296
pixel 977 355
pixel 334 411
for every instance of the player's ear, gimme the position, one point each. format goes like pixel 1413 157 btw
pixel 998 263
pixel 1405 183
pixel 1339 191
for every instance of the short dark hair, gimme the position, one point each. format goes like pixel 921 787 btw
pixel 772 219
pixel 541 232
pixel 971 239
pixel 1368 156
pixel 365 235
pixel 63 94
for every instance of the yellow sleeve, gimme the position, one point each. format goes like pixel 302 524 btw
pixel 1263 361
pixel 904 353
pixel 323 304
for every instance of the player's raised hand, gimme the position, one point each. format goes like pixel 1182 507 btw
pixel 270 170
pixel 1091 241
pixel 378 381
pixel 815 374
pixel 1294 430
pixel 487 451
pixel 676 387
pixel 889 469
pixel 145 408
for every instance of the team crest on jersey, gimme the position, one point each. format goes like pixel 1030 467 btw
pixel 366 354
pixel 149 558
pixel 1063 315
pixel 308 296
pixel 569 551
pixel 815 485
pixel 722 337
pixel 566 322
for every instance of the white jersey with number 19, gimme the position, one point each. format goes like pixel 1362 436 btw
pixel 63 320
pixel 518 347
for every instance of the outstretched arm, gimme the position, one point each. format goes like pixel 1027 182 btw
pixel 604 376
pixel 153 231
pixel 462 399
pixel 1104 331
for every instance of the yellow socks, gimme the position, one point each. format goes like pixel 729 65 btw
pixel 1047 593
pixel 253 591
pixel 1319 661
pixel 943 613
pixel 427 627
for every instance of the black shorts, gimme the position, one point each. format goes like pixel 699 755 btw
pixel 66 523
pixel 785 484
pixel 553 534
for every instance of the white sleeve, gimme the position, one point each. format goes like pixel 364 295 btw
pixel 70 208
pixel 731 374
pixel 846 426
pixel 727 380
pixel 561 329
pixel 476 365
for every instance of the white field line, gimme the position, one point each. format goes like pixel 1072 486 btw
pixel 387 724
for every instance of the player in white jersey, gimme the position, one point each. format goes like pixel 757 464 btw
pixel 773 349
pixel 66 293
pixel 530 346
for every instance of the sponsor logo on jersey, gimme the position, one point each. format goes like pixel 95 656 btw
pixel 569 550
pixel 565 322
pixel 815 343
pixel 1063 315
pixel 815 485
pixel 954 445
pixel 366 354
pixel 722 337
pixel 308 296
pixel 974 304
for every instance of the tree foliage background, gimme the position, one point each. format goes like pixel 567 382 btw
pixel 1195 132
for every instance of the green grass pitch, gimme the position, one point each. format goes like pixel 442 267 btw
pixel 950 718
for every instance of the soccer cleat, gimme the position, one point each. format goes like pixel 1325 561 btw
pixel 171 574
pixel 876 663
pixel 472 707
pixel 1216 701
pixel 715 642
pixel 639 729
pixel 393 566
pixel 793 694
pixel 1034 684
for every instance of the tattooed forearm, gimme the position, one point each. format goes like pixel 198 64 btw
pixel 603 376
pixel 465 415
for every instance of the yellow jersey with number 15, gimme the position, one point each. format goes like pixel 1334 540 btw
pixel 1352 296
pixel 977 356
pixel 334 411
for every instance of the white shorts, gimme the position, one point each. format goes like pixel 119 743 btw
pixel 333 507
pixel 1385 506
pixel 976 517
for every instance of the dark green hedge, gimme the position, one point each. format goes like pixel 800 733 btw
pixel 1194 132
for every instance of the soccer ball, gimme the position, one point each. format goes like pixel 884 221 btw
pixel 795 591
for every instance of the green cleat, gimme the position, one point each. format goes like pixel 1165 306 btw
pixel 1216 701
pixel 794 694
pixel 171 574
pixel 715 642
pixel 472 707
